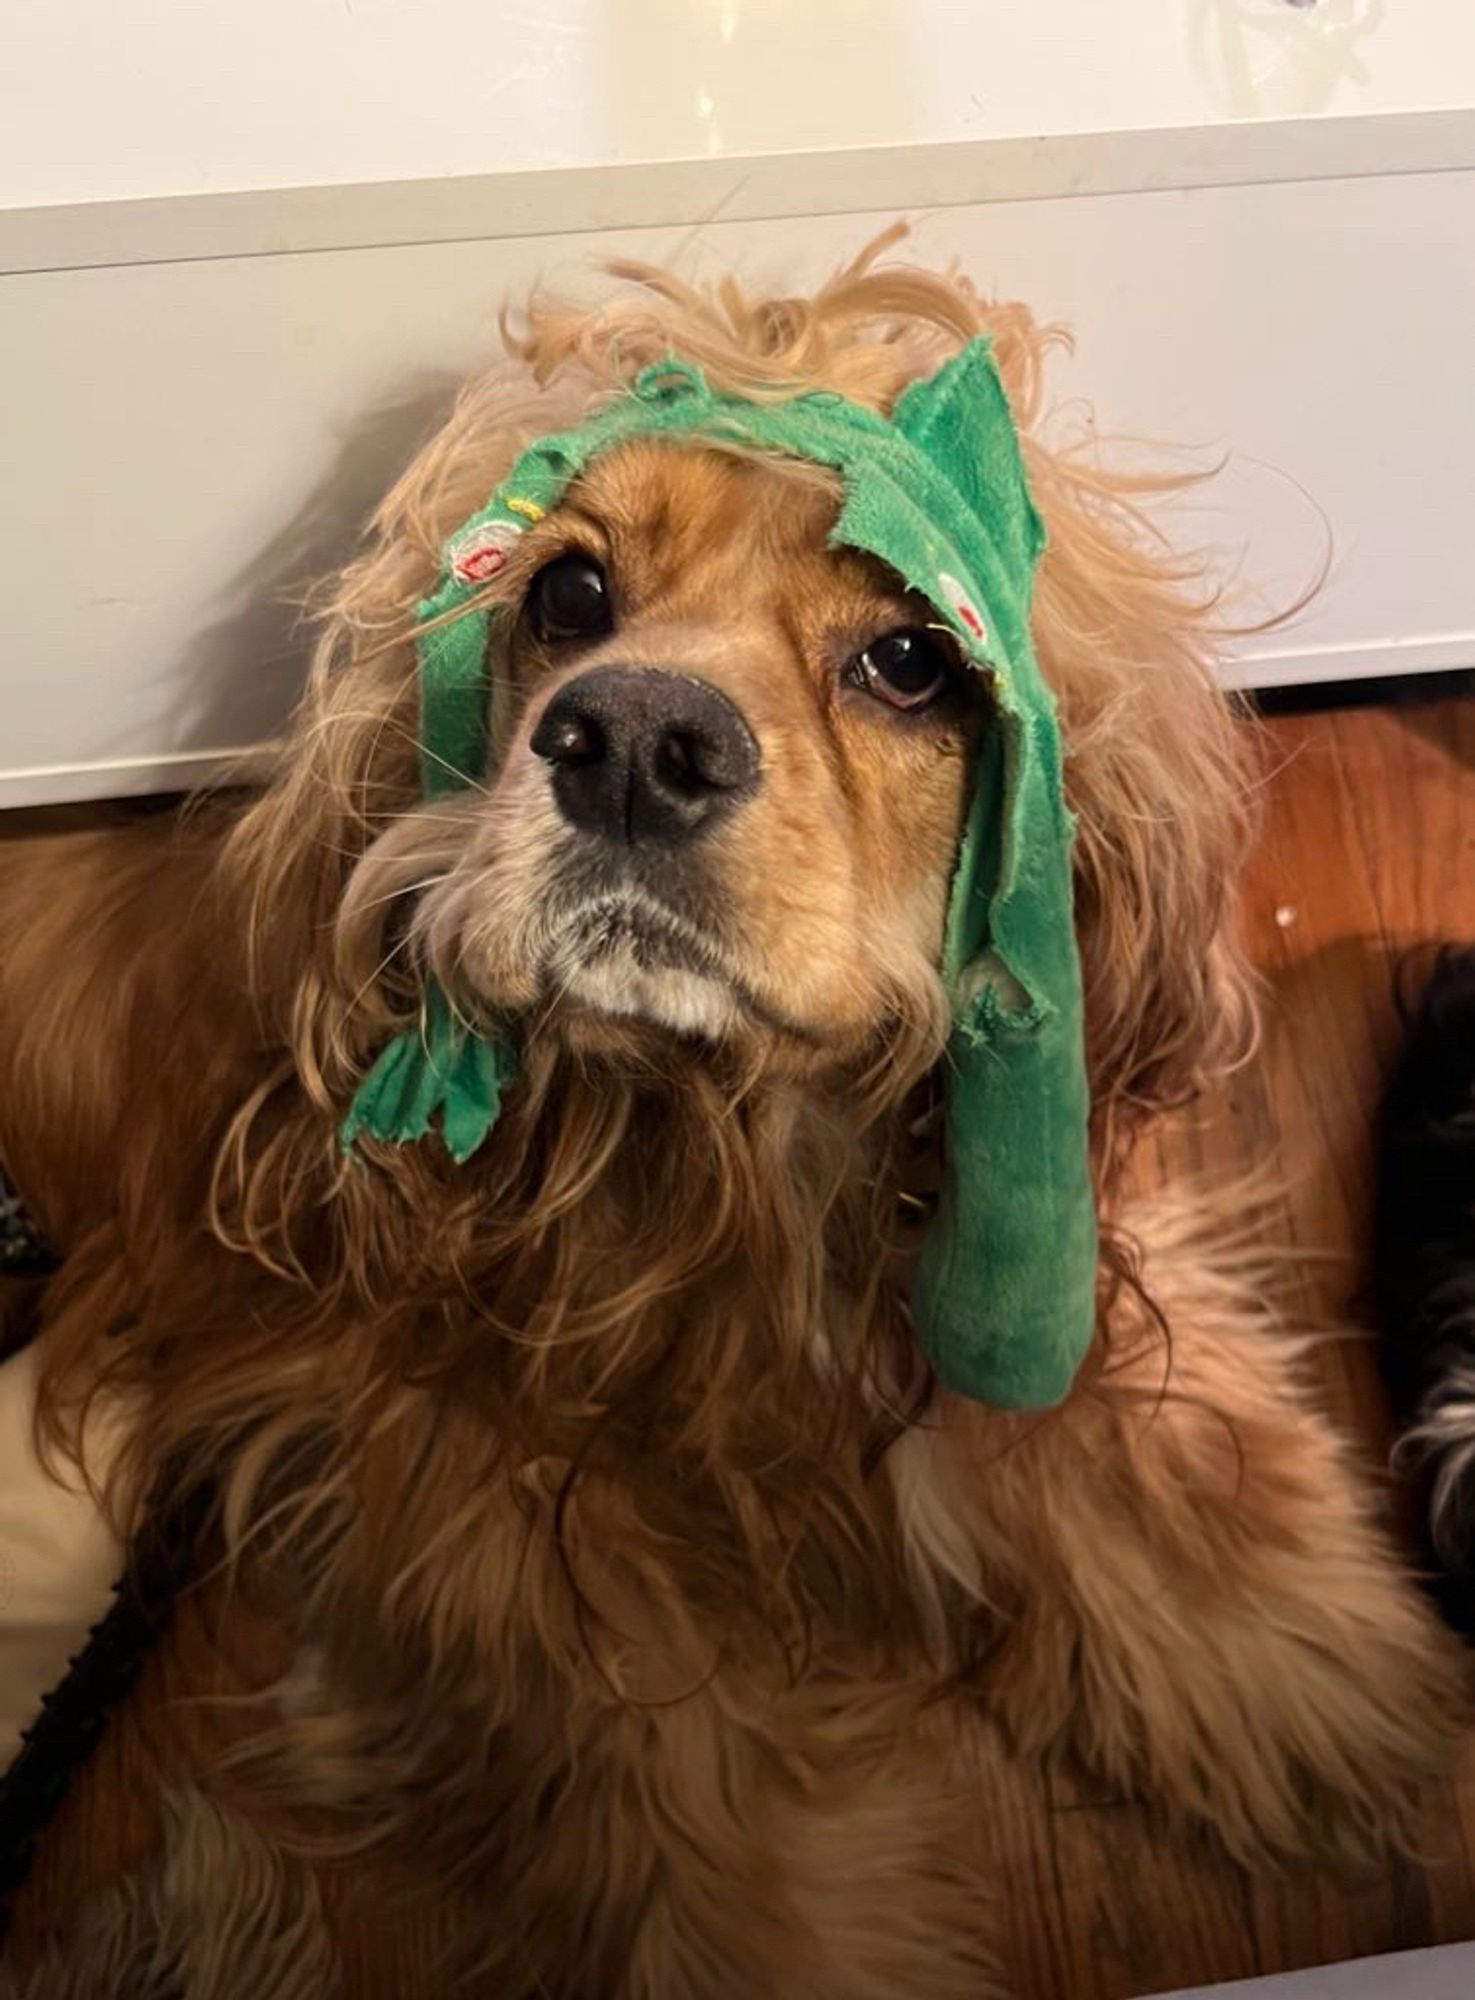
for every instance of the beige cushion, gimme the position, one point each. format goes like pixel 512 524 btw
pixel 58 1558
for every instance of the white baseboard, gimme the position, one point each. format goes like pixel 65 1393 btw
pixel 129 777
pixel 1304 665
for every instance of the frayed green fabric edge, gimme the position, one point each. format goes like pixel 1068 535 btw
pixel 438 1076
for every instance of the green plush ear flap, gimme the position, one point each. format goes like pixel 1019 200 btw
pixel 440 1074
pixel 1005 1288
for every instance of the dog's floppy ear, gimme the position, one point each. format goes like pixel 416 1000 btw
pixel 1157 771
pixel 350 766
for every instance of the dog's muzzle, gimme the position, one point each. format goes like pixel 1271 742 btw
pixel 645 757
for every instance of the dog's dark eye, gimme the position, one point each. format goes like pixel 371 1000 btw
pixel 570 599
pixel 907 669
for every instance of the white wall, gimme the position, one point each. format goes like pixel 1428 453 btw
pixel 101 101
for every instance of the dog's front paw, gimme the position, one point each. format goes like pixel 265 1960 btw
pixel 1185 1593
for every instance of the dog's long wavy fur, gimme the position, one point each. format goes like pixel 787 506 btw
pixel 664 1650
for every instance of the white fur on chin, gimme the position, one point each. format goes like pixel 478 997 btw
pixel 614 974
pixel 691 1003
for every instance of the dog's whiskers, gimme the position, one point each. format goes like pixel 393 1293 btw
pixel 406 889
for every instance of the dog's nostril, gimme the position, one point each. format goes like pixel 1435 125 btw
pixel 568 735
pixel 689 763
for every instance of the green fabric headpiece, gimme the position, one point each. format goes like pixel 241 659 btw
pixel 1005 1285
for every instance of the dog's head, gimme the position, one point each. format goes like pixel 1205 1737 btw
pixel 730 760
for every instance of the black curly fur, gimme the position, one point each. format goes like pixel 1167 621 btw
pixel 1424 1266
pixel 22 1252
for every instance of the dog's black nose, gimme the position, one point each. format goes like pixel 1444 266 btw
pixel 640 754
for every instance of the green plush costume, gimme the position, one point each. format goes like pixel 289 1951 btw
pixel 1006 1279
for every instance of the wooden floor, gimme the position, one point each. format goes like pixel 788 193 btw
pixel 1367 850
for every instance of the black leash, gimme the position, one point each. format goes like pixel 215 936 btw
pixel 59 1743
pixel 61 1740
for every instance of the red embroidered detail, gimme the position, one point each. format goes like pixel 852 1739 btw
pixel 480 553
pixel 476 565
pixel 962 605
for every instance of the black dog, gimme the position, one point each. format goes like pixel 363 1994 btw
pixel 1424 1267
